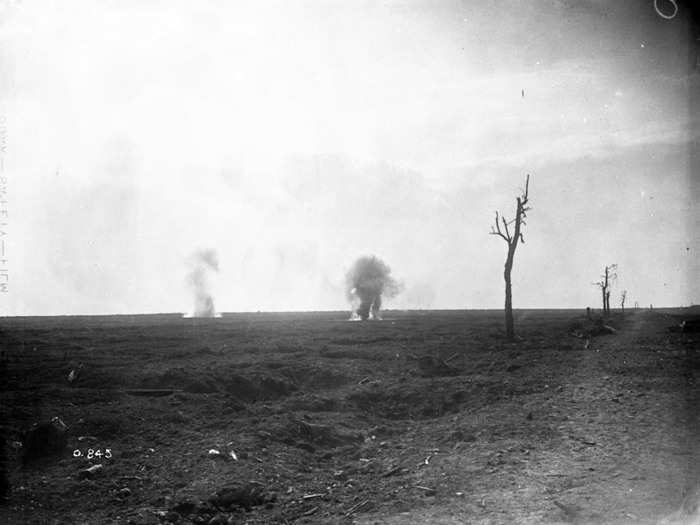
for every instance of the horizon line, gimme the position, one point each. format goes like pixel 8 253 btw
pixel 220 315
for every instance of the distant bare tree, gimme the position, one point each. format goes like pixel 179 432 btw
pixel 623 296
pixel 502 229
pixel 606 280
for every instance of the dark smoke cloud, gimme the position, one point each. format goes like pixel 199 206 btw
pixel 202 263
pixel 367 282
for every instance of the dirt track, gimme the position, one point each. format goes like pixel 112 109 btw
pixel 336 422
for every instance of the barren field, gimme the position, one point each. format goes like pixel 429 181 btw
pixel 425 417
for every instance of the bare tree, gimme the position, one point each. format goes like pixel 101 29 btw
pixel 606 280
pixel 623 296
pixel 502 229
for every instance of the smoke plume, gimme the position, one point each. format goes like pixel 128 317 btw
pixel 367 282
pixel 202 264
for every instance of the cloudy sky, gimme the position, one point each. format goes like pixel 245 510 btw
pixel 292 137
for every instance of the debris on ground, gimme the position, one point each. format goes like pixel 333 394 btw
pixel 357 507
pixel 90 472
pixel 428 491
pixel 220 519
pixel 74 374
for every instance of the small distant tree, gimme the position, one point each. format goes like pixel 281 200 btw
pixel 623 296
pixel 606 280
pixel 512 238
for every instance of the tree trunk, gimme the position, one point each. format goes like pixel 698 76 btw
pixel 605 310
pixel 512 240
pixel 510 330
pixel 605 304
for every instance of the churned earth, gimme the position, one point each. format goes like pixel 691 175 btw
pixel 425 417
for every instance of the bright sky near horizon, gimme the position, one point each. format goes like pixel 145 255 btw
pixel 292 137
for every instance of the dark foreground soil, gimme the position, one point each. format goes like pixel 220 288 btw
pixel 422 418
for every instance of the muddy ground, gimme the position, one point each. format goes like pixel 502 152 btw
pixel 425 417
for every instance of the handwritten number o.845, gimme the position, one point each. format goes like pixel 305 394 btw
pixel 92 454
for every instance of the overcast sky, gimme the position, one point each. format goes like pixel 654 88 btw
pixel 293 137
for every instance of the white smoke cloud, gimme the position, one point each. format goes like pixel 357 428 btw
pixel 202 263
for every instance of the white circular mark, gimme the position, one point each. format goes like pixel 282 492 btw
pixel 664 15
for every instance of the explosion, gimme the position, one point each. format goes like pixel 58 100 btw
pixel 202 263
pixel 367 281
